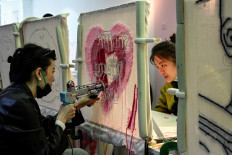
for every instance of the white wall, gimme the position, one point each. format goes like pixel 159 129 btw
pixel 11 11
pixel 74 8
pixel 27 11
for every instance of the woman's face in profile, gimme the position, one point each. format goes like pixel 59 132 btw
pixel 49 74
pixel 166 68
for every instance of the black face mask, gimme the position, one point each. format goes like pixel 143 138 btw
pixel 45 91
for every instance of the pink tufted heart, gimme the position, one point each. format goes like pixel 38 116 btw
pixel 109 58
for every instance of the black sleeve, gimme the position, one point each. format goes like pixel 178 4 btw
pixel 57 141
pixel 48 124
pixel 77 120
pixel 30 132
pixel 56 137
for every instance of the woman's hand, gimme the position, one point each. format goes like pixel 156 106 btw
pixel 66 112
pixel 86 100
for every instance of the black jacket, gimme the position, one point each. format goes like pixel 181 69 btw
pixel 23 130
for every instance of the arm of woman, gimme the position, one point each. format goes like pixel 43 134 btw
pixel 26 132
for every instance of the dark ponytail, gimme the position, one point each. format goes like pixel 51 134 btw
pixel 173 38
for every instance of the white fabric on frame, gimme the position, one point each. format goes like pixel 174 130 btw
pixel 117 115
pixel 43 32
pixel 208 76
pixel 8 46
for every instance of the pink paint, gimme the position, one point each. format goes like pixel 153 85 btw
pixel 131 118
pixel 89 141
pixel 116 44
